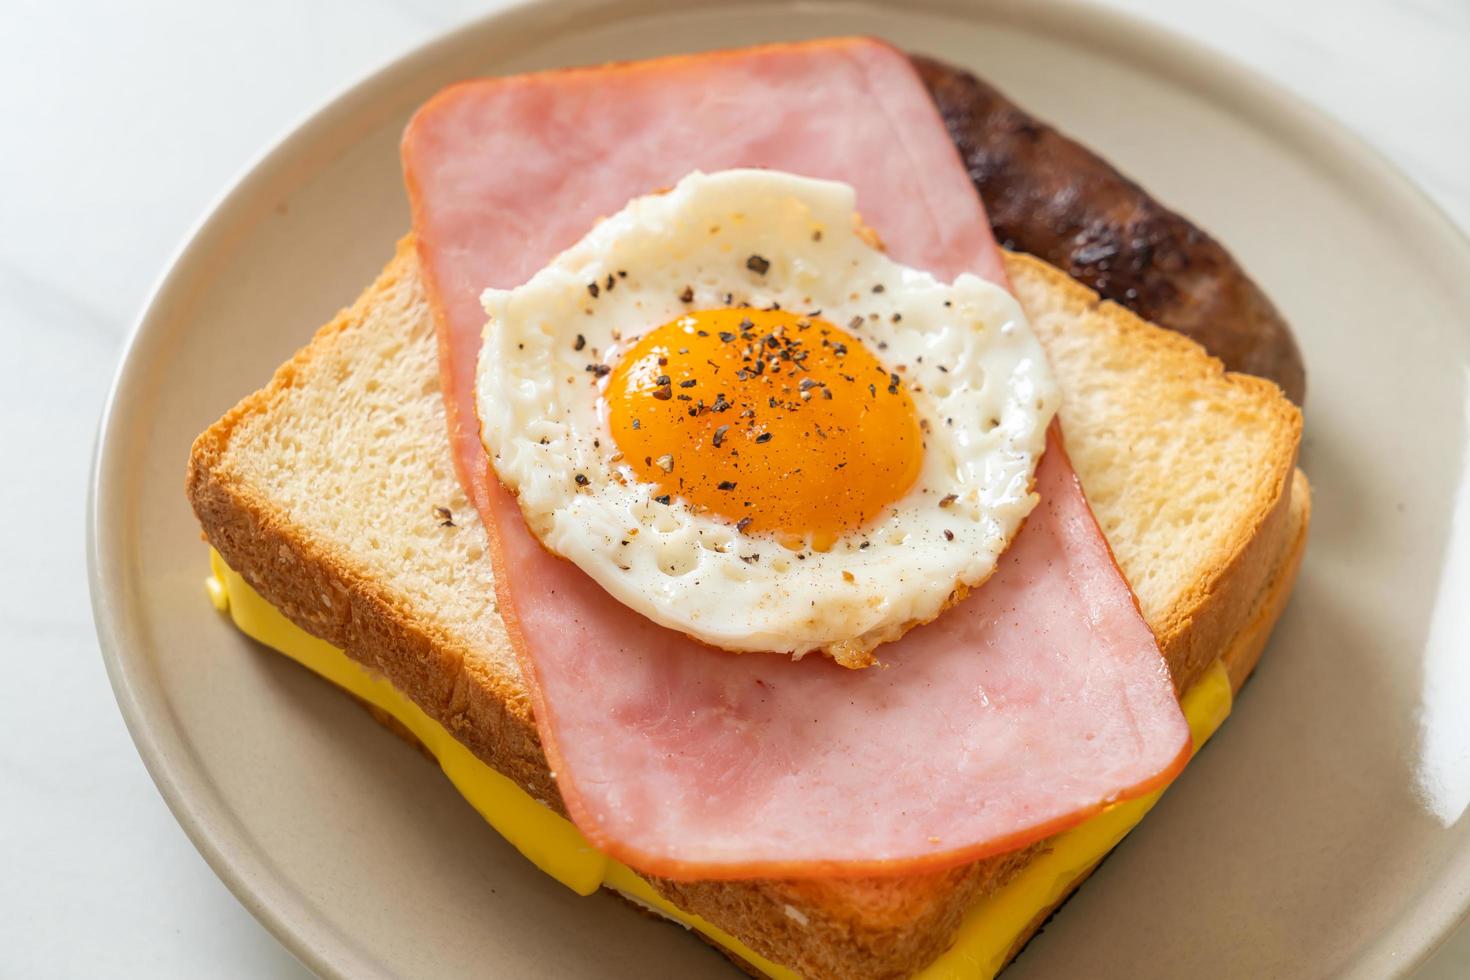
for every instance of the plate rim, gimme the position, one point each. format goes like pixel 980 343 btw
pixel 182 780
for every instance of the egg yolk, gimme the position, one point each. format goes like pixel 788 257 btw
pixel 778 422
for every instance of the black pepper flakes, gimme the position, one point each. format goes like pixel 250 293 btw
pixel 688 384
pixel 579 343
pixel 948 499
pixel 758 265
pixel 719 438
pixel 581 479
pixel 726 485
pixel 592 289
pixel 664 393
pixel 743 523
pixel 687 296
pixel 948 534
pixel 763 438
pixel 663 498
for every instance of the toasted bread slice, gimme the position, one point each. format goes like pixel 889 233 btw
pixel 333 493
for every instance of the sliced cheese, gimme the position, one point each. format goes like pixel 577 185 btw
pixel 991 927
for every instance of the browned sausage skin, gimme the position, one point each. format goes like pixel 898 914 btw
pixel 1051 197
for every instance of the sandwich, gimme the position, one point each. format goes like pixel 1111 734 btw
pixel 742 530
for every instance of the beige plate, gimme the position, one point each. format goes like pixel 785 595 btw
pixel 1320 835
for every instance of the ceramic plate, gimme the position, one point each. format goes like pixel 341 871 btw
pixel 1320 834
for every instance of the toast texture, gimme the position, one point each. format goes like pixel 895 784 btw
pixel 332 492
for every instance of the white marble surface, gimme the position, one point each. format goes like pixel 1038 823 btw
pixel 120 128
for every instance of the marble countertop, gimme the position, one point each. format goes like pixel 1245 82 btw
pixel 124 123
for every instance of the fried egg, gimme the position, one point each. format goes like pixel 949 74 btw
pixel 728 407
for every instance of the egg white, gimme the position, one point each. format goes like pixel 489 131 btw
pixel 543 418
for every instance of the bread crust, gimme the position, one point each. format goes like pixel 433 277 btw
pixel 880 927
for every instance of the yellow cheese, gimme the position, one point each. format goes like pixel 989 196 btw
pixel 990 928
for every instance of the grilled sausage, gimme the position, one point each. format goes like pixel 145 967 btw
pixel 1049 196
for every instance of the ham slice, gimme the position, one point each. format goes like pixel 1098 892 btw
pixel 503 174
pixel 1039 700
